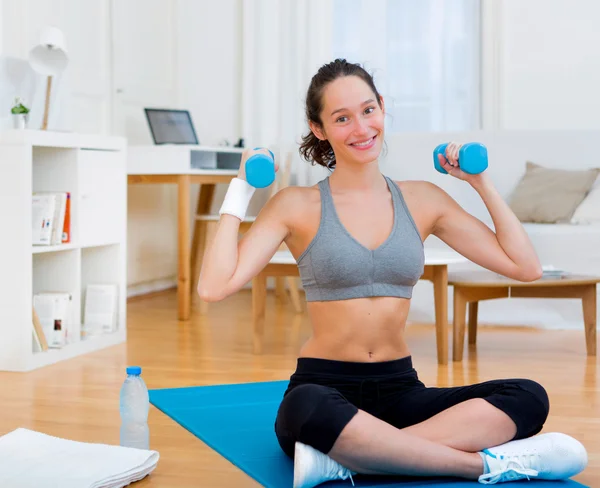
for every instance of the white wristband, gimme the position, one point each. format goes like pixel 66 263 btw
pixel 237 198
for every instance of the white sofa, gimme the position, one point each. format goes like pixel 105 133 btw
pixel 571 247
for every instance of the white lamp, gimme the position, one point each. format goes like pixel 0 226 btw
pixel 49 58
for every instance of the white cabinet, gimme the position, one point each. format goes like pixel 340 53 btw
pixel 93 170
pixel 102 187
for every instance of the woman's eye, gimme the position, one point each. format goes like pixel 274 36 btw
pixel 369 110
pixel 341 119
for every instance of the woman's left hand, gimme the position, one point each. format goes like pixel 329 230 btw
pixel 451 165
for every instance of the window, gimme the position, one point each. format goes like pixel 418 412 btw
pixel 424 55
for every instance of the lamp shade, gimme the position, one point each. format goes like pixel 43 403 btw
pixel 49 57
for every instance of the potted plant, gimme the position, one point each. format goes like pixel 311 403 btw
pixel 20 114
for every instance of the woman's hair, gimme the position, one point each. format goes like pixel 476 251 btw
pixel 312 148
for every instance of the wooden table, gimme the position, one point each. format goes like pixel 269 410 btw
pixel 472 287
pixel 207 182
pixel 184 165
pixel 436 271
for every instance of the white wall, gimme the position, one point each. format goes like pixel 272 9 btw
pixel 542 69
pixel 209 66
pixel 210 71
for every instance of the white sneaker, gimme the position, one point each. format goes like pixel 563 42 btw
pixel 551 456
pixel 312 467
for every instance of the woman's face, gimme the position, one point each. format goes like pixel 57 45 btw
pixel 353 121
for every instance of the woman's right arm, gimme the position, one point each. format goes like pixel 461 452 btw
pixel 229 264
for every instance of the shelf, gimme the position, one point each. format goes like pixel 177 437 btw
pixel 69 246
pixel 93 169
pixel 47 138
pixel 57 248
pixel 84 346
pixel 100 244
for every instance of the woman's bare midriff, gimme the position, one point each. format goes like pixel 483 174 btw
pixel 358 330
pixel 362 329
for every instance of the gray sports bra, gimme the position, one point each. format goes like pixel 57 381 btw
pixel 335 266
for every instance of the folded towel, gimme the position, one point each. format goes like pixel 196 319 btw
pixel 30 459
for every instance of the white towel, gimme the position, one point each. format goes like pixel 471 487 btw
pixel 30 459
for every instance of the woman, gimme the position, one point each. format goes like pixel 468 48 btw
pixel 355 403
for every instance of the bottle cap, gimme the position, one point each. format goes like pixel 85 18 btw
pixel 134 370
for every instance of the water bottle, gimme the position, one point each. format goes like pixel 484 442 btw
pixel 134 406
pixel 260 169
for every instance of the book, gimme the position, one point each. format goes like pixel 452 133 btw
pixel 38 333
pixel 42 218
pixel 100 310
pixel 66 231
pixel 53 310
pixel 51 218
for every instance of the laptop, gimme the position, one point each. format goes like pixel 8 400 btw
pixel 170 126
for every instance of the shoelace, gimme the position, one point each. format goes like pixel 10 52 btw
pixel 508 473
pixel 337 471
pixel 350 475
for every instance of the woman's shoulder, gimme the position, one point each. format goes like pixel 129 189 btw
pixel 295 202
pixel 423 197
pixel 299 194
pixel 418 188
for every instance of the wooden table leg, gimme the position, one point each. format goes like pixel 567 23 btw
pixel 464 294
pixel 458 324
pixel 587 293
pixel 183 281
pixel 473 309
pixel 440 292
pixel 259 298
pixel 205 198
pixel 294 293
pixel 210 229
pixel 589 318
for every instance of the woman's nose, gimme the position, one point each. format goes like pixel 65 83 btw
pixel 360 126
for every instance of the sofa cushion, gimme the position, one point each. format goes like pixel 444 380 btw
pixel 589 210
pixel 550 196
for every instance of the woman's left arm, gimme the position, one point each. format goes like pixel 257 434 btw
pixel 508 251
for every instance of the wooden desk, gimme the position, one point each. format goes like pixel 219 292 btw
pixel 436 271
pixel 178 165
pixel 472 287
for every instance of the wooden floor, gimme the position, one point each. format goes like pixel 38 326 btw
pixel 79 399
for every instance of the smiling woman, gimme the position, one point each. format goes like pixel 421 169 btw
pixel 355 404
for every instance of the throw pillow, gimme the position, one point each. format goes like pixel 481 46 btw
pixel 589 210
pixel 550 196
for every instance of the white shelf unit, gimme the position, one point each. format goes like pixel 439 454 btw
pixel 94 170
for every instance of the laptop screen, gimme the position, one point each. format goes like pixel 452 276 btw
pixel 171 126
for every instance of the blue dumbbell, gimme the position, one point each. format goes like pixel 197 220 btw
pixel 260 169
pixel 472 158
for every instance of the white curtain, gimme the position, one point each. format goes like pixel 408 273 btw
pixel 284 44
pixel 424 55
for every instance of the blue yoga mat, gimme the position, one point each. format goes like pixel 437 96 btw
pixel 237 421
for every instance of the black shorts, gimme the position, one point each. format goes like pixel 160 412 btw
pixel 323 396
